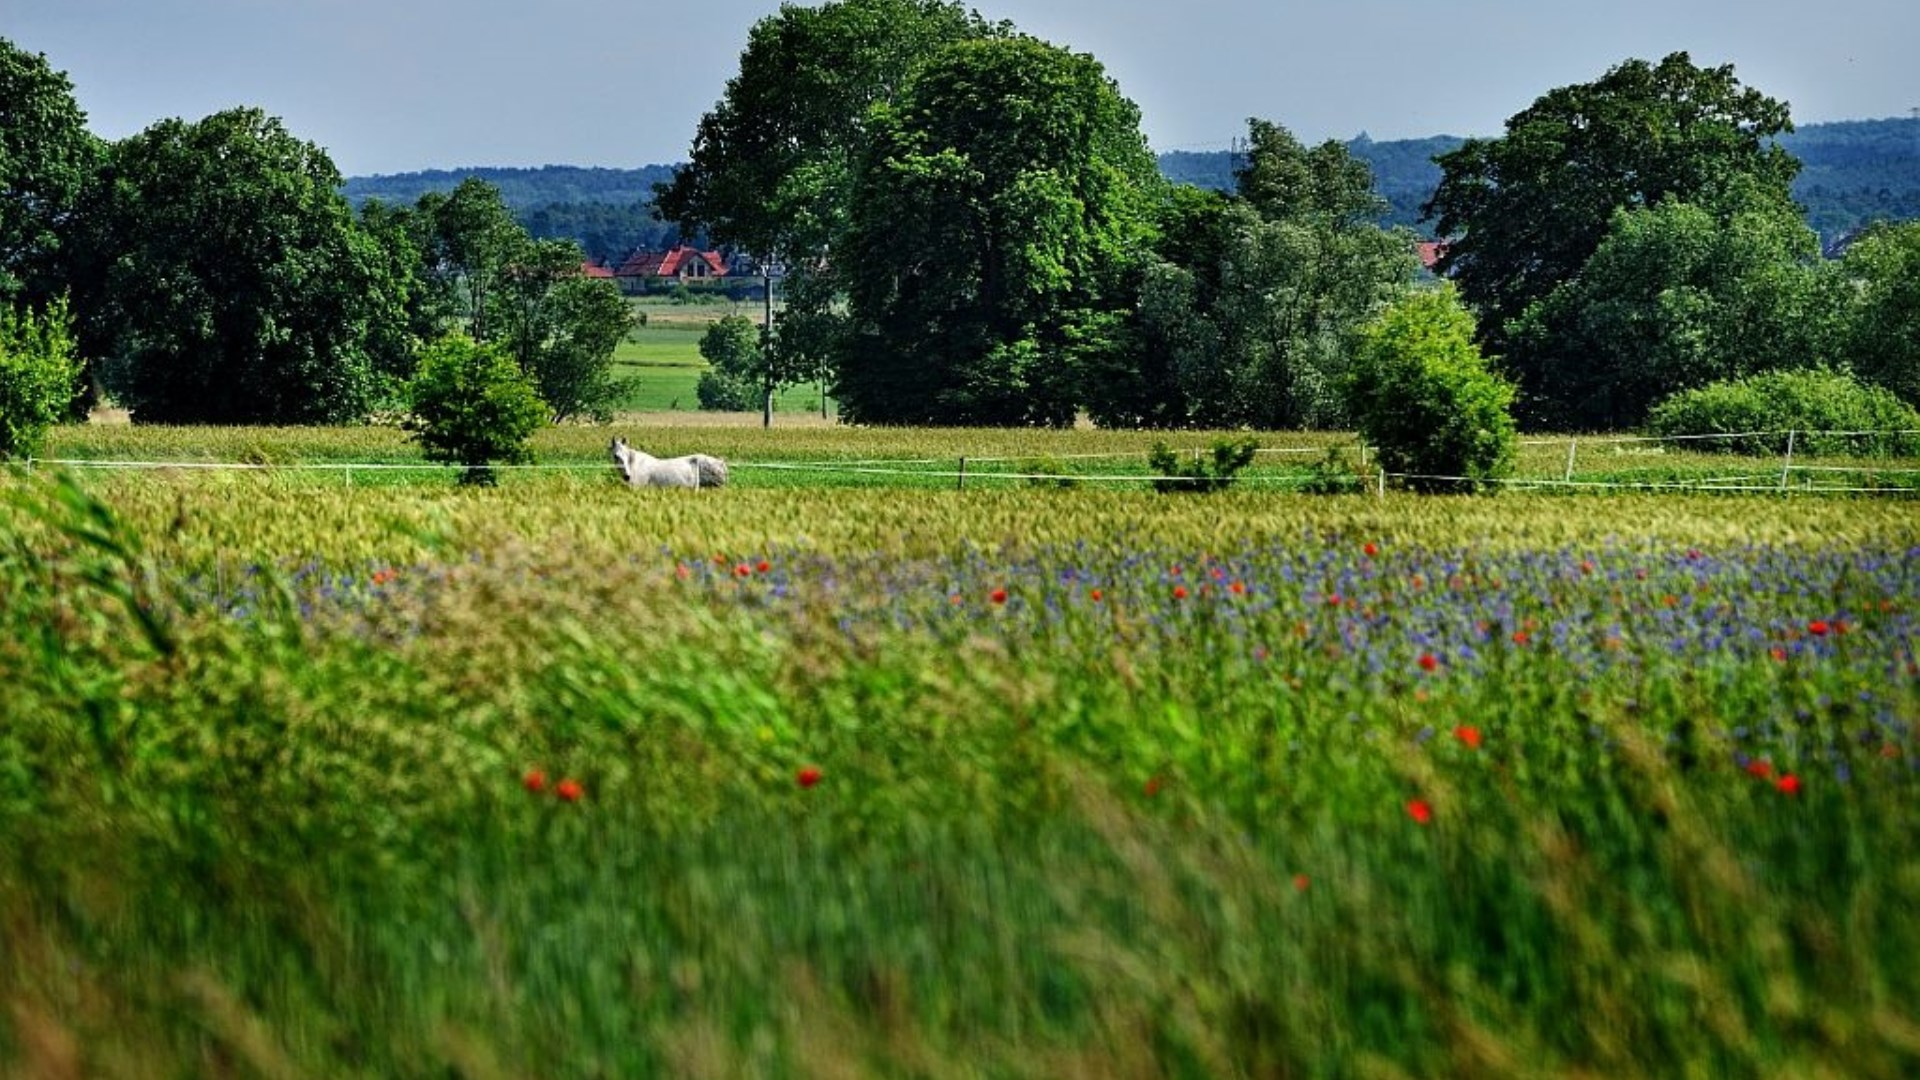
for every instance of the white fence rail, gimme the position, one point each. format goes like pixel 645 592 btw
pixel 967 467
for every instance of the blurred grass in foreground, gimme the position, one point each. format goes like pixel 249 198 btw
pixel 1085 808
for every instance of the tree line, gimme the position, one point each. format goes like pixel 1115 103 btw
pixel 975 232
pixel 211 271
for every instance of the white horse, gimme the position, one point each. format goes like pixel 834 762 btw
pixel 645 470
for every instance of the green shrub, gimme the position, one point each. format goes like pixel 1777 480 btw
pixel 1336 474
pixel 1049 472
pixel 1421 393
pixel 1814 405
pixel 473 406
pixel 38 371
pixel 1200 474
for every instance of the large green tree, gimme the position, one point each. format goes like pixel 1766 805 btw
pixel 1882 334
pixel 774 164
pixel 46 156
pixel 1676 296
pixel 1250 308
pixel 1522 213
pixel 469 266
pixel 222 279
pixel 1000 203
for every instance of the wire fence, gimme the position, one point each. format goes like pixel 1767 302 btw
pixel 1605 466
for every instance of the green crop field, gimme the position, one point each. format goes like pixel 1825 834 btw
pixel 316 772
pixel 663 362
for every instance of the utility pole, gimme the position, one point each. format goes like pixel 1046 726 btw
pixel 766 339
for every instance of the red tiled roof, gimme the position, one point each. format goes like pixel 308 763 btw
pixel 594 270
pixel 668 264
pixel 1431 252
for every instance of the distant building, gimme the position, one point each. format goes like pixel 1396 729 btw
pixel 644 270
pixel 1430 252
pixel 595 270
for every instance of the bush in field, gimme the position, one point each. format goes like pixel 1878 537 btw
pixel 732 346
pixel 1811 404
pixel 38 370
pixel 1421 393
pixel 472 406
pixel 1201 474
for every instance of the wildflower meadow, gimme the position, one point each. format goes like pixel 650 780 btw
pixel 307 778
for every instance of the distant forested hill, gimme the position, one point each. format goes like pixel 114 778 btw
pixel 608 212
pixel 1853 172
pixel 521 188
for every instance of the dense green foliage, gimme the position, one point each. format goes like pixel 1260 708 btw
pixel 221 278
pixel 38 374
pixel 967 782
pixel 471 405
pixel 982 236
pixel 773 162
pixel 1676 296
pixel 1825 412
pixel 562 328
pixel 1247 313
pixel 731 347
pixel 1524 212
pixel 1423 397
pixel 1881 338
pixel 46 156
pixel 1214 471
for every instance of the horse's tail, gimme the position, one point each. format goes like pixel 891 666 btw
pixel 713 471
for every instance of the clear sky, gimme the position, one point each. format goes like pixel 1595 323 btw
pixel 397 85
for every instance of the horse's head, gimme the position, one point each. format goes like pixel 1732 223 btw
pixel 623 458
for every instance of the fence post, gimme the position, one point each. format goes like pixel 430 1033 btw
pixel 1787 466
pixel 1380 483
pixel 963 474
pixel 1363 455
pixel 1573 446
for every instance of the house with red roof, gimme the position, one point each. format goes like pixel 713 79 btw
pixel 650 269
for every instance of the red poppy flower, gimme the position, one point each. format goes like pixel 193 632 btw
pixel 1095 595
pixel 1519 637
pixel 807 777
pixel 763 566
pixel 1428 661
pixel 535 781
pixel 1152 787
pixel 1818 628
pixel 569 790
pixel 998 596
pixel 1420 810
pixel 1371 549
pixel 719 559
pixel 743 570
pixel 1788 784
pixel 1468 734
pixel 1778 654
pixel 1300 883
pixel 1333 599
pixel 1179 592
pixel 1238 588
pixel 1760 769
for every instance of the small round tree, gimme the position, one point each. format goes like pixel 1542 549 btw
pixel 38 373
pixel 1422 395
pixel 472 405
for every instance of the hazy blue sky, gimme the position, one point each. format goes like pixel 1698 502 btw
pixel 393 85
